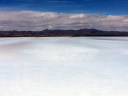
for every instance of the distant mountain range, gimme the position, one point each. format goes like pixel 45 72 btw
pixel 59 33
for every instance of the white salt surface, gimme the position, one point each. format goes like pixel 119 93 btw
pixel 93 66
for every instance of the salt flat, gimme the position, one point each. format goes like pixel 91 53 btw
pixel 64 66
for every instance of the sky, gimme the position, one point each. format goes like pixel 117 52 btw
pixel 116 7
pixel 110 15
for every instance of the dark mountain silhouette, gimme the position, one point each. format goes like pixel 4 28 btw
pixel 57 32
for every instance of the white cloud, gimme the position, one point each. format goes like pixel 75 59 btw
pixel 32 20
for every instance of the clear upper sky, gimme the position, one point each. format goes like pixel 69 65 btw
pixel 114 7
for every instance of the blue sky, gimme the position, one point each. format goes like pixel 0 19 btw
pixel 113 7
pixel 110 15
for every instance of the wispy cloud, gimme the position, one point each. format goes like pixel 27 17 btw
pixel 32 20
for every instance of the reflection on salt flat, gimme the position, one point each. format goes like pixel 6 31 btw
pixel 94 66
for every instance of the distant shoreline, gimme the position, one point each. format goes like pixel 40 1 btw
pixel 63 36
pixel 64 33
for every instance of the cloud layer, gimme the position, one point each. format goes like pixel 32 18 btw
pixel 32 20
